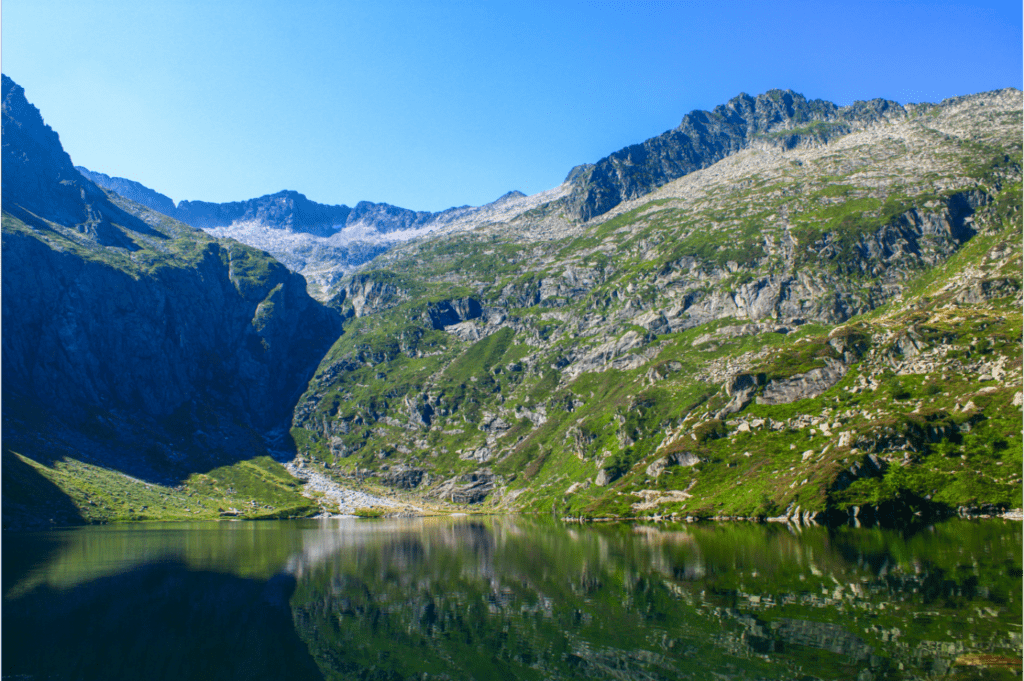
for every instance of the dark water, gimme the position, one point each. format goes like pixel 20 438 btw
pixel 512 598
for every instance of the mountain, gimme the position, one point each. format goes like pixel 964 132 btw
pixel 782 308
pixel 319 241
pixel 133 342
pixel 326 242
pixel 824 322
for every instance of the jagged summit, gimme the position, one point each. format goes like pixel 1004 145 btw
pixel 703 138
pixel 514 194
pixel 41 185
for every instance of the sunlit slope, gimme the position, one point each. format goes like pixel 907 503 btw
pixel 789 330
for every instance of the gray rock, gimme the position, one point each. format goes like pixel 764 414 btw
pixel 448 312
pixel 682 459
pixel 405 478
pixel 802 386
pixel 741 388
pixel 705 137
pixel 869 466
pixel 471 488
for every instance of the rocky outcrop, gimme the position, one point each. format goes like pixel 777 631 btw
pixel 370 292
pixel 403 477
pixel 741 389
pixel 869 466
pixel 447 312
pixel 471 488
pixel 802 386
pixel 682 459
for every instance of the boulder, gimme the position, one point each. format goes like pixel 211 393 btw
pixel 471 488
pixel 802 386
pixel 682 459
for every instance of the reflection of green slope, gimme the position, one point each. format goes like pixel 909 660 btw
pixel 496 599
pixel 526 598
pixel 250 550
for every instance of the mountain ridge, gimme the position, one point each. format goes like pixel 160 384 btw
pixel 705 137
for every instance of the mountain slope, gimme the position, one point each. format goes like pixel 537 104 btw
pixel 132 191
pixel 132 342
pixel 822 327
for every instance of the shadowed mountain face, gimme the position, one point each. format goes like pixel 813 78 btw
pixel 129 337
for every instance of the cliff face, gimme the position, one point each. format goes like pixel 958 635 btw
pixel 40 182
pixel 78 331
pixel 118 320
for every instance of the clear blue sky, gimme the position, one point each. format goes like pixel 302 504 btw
pixel 428 105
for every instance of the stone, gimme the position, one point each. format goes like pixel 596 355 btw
pixel 802 386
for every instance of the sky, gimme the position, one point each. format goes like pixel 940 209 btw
pixel 428 105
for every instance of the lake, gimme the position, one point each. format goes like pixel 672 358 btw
pixel 512 598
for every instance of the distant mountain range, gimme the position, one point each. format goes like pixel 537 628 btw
pixel 325 242
pixel 319 241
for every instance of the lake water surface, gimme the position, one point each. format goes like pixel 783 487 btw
pixel 512 598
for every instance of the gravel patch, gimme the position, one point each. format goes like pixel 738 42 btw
pixel 338 500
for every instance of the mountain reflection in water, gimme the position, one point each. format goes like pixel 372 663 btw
pixel 512 598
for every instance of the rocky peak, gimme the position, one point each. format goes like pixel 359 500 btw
pixel 288 210
pixel 778 117
pixel 41 184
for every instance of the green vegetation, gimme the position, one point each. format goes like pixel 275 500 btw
pixel 872 287
pixel 577 386
pixel 253 489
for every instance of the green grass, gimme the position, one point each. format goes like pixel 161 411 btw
pixel 253 489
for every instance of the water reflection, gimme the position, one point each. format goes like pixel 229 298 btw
pixel 521 598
